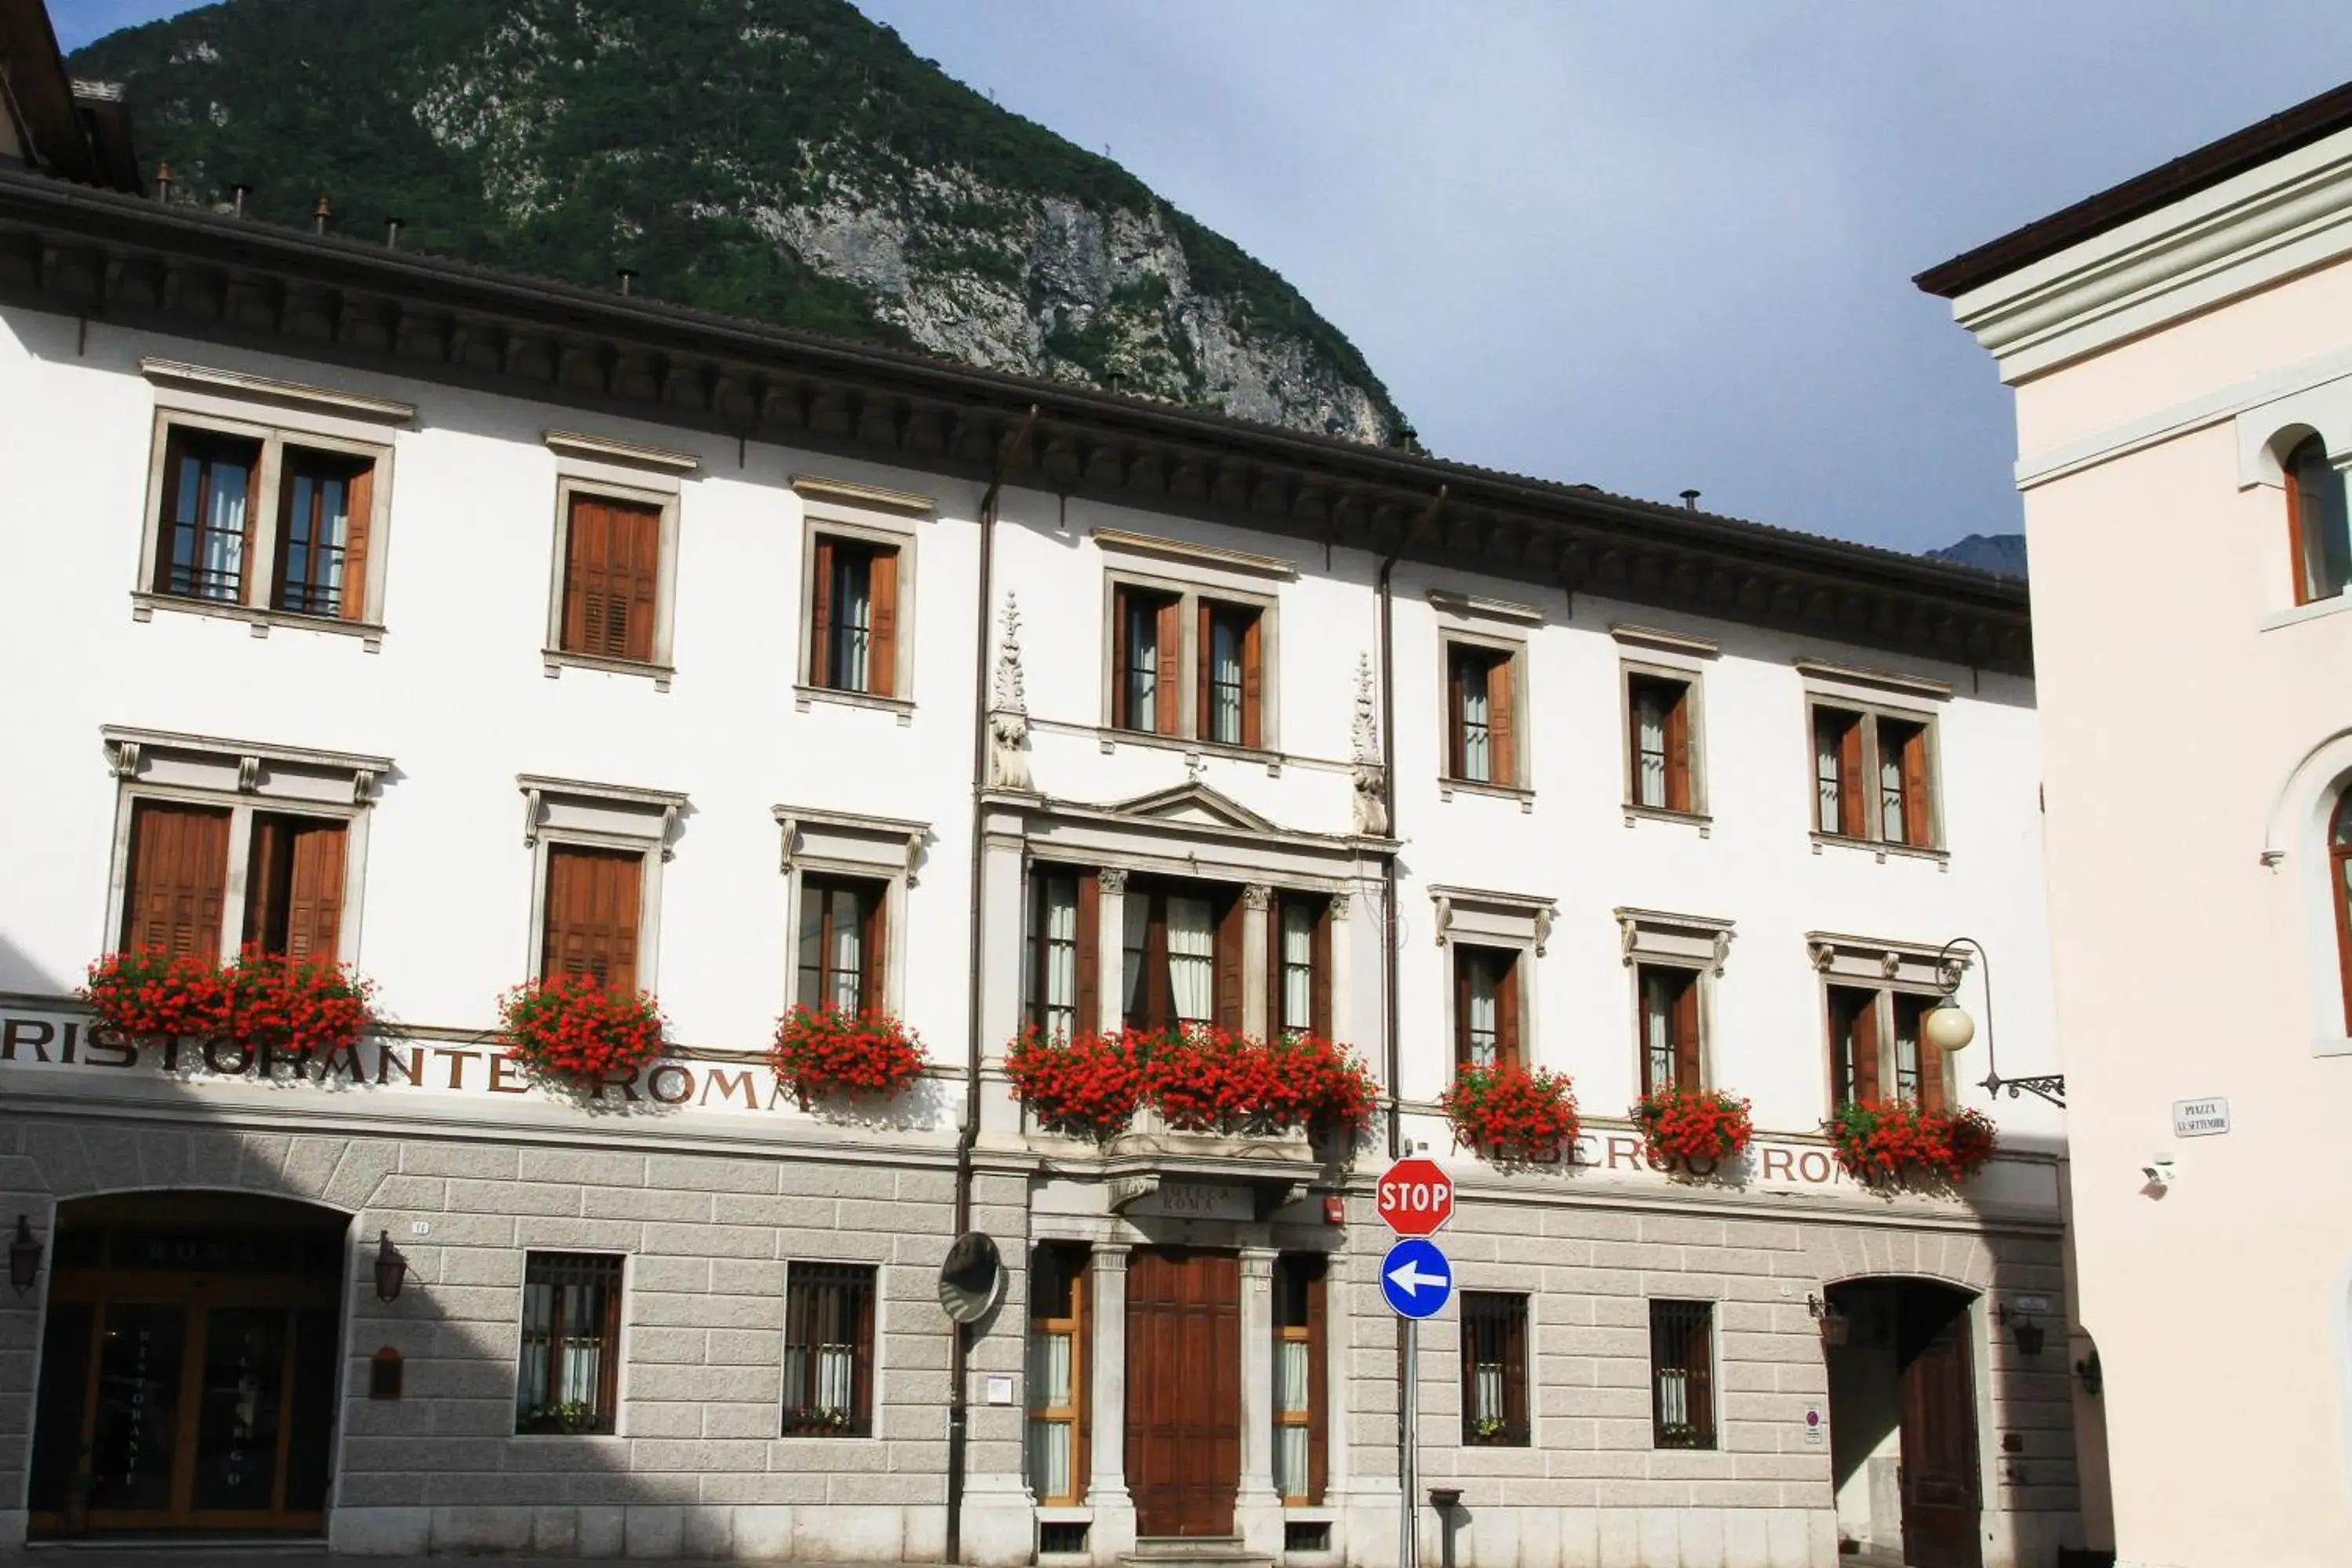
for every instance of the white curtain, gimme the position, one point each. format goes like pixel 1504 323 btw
pixel 1061 958
pixel 1050 1388
pixel 852 609
pixel 848 938
pixel 1657 1009
pixel 1483 1025
pixel 1673 1396
pixel 1825 768
pixel 221 569
pixel 1476 763
pixel 1651 719
pixel 1225 681
pixel 1487 1393
pixel 836 1377
pixel 1297 966
pixel 1191 958
pixel 1143 669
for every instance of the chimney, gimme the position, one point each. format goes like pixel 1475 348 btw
pixel 1690 500
pixel 628 276
pixel 163 181
pixel 392 233
pixel 320 213
pixel 238 193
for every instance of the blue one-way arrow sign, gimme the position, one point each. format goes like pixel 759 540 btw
pixel 1416 1278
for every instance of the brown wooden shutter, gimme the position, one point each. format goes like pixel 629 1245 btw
pixel 1225 1005
pixel 873 969
pixel 1320 983
pixel 1122 665
pixel 1684 1025
pixel 1853 820
pixel 636 580
pixel 1502 731
pixel 179 878
pixel 612 567
pixel 1865 1051
pixel 1253 682
pixel 863 1411
pixel 1506 1013
pixel 1205 688
pixel 1916 828
pixel 882 657
pixel 1931 1058
pixel 1319 1400
pixel 255 504
pixel 1678 748
pixel 359 524
pixel 1457 675
pixel 266 877
pixel 1461 1008
pixel 591 915
pixel 1513 1326
pixel 1171 647
pixel 821 614
pixel 314 904
pixel 1089 953
pixel 584 575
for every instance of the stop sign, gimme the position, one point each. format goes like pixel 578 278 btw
pixel 1416 1198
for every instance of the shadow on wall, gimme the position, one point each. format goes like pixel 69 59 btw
pixel 19 972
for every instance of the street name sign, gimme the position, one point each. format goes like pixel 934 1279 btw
pixel 1416 1278
pixel 1416 1198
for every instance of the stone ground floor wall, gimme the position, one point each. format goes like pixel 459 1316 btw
pixel 697 1467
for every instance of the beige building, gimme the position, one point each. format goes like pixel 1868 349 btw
pixel 2181 351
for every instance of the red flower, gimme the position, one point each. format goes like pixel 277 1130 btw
pixel 1202 1078
pixel 1693 1125
pixel 1893 1143
pixel 307 1006
pixel 1510 1112
pixel 822 1053
pixel 570 1027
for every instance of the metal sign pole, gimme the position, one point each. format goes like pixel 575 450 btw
pixel 1408 1553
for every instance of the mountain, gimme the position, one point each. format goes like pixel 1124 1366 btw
pixel 2002 553
pixel 784 160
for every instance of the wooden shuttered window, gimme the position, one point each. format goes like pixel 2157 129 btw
pixel 325 506
pixel 1487 1010
pixel 843 943
pixel 591 924
pixel 1233 917
pixel 1169 625
pixel 611 579
pixel 1298 962
pixel 854 632
pixel 1502 721
pixel 1147 647
pixel 1842 809
pixel 173 903
pixel 1671 1054
pixel 1919 1060
pixel 212 505
pixel 1482 744
pixel 1058 1371
pixel 1301 1380
pixel 1905 814
pixel 1682 1374
pixel 1229 693
pixel 1853 1045
pixel 1659 744
pixel 829 1350
pixel 1495 1370
pixel 294 886
pixel 569 1378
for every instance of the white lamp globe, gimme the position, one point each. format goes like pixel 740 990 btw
pixel 1949 1028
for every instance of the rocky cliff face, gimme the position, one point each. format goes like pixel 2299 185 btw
pixel 782 159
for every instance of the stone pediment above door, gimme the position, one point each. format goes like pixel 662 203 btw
pixel 1196 804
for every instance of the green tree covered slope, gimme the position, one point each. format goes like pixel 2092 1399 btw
pixel 784 160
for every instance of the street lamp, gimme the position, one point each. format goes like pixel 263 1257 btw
pixel 1949 1027
pixel 23 1257
pixel 391 1269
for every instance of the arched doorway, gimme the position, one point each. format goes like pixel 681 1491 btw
pixel 188 1366
pixel 1903 1423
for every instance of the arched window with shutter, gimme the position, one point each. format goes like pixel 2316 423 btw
pixel 2319 539
pixel 2339 892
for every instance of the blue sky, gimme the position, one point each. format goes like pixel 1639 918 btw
pixel 1643 244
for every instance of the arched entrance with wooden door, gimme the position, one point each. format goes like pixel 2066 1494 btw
pixel 1903 1423
pixel 189 1366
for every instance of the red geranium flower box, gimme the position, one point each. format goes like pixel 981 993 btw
pixel 148 994
pixel 1201 1079
pixel 311 1006
pixel 571 1028
pixel 1087 1086
pixel 1693 1126
pixel 1510 1114
pixel 1893 1143
pixel 823 1053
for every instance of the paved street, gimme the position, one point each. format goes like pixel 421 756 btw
pixel 158 1556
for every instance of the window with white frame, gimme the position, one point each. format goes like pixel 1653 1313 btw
pixel 1485 712
pixel 222 845
pixel 613 598
pixel 1160 628
pixel 598 850
pixel 858 548
pixel 848 875
pixel 1875 768
pixel 1490 941
pixel 267 500
pixel 1675 960
pixel 1875 996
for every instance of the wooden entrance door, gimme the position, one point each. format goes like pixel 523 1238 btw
pixel 1183 1391
pixel 1940 1451
pixel 188 1379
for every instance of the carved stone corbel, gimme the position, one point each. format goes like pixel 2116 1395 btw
pixel 1822 954
pixel 1543 928
pixel 1258 896
pixel 124 758
pixel 1629 936
pixel 669 825
pixel 790 828
pixel 249 775
pixel 1445 918
pixel 1890 965
pixel 1112 880
pixel 1722 951
pixel 1340 904
pixel 913 853
pixel 532 817
pixel 362 786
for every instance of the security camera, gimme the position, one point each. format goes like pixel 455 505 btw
pixel 2158 1171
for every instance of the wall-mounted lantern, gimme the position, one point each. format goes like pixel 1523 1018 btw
pixel 23 1257
pixel 391 1269
pixel 1833 1320
pixel 2087 1369
pixel 2028 1334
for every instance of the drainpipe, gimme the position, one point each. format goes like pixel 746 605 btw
pixel 968 1130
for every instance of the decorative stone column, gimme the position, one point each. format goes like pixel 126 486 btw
pixel 1258 1508
pixel 1107 1494
pixel 1257 997
pixel 1111 957
pixel 1343 967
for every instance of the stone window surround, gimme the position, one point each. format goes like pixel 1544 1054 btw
pixel 876 1431
pixel 867 514
pixel 2297 831
pixel 1110 1240
pixel 1472 621
pixel 1224 577
pixel 621 1348
pixel 1519 923
pixel 1699 943
pixel 245 776
pixel 1666 656
pixel 600 816
pixel 848 843
pixel 1877 694
pixel 276 414
pixel 623 471
pixel 1884 968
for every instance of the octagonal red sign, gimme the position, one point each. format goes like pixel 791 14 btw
pixel 1416 1198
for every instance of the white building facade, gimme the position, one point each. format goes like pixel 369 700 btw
pixel 2178 356
pixel 1001 705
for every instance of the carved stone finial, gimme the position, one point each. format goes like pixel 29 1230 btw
pixel 1370 777
pixel 1008 721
